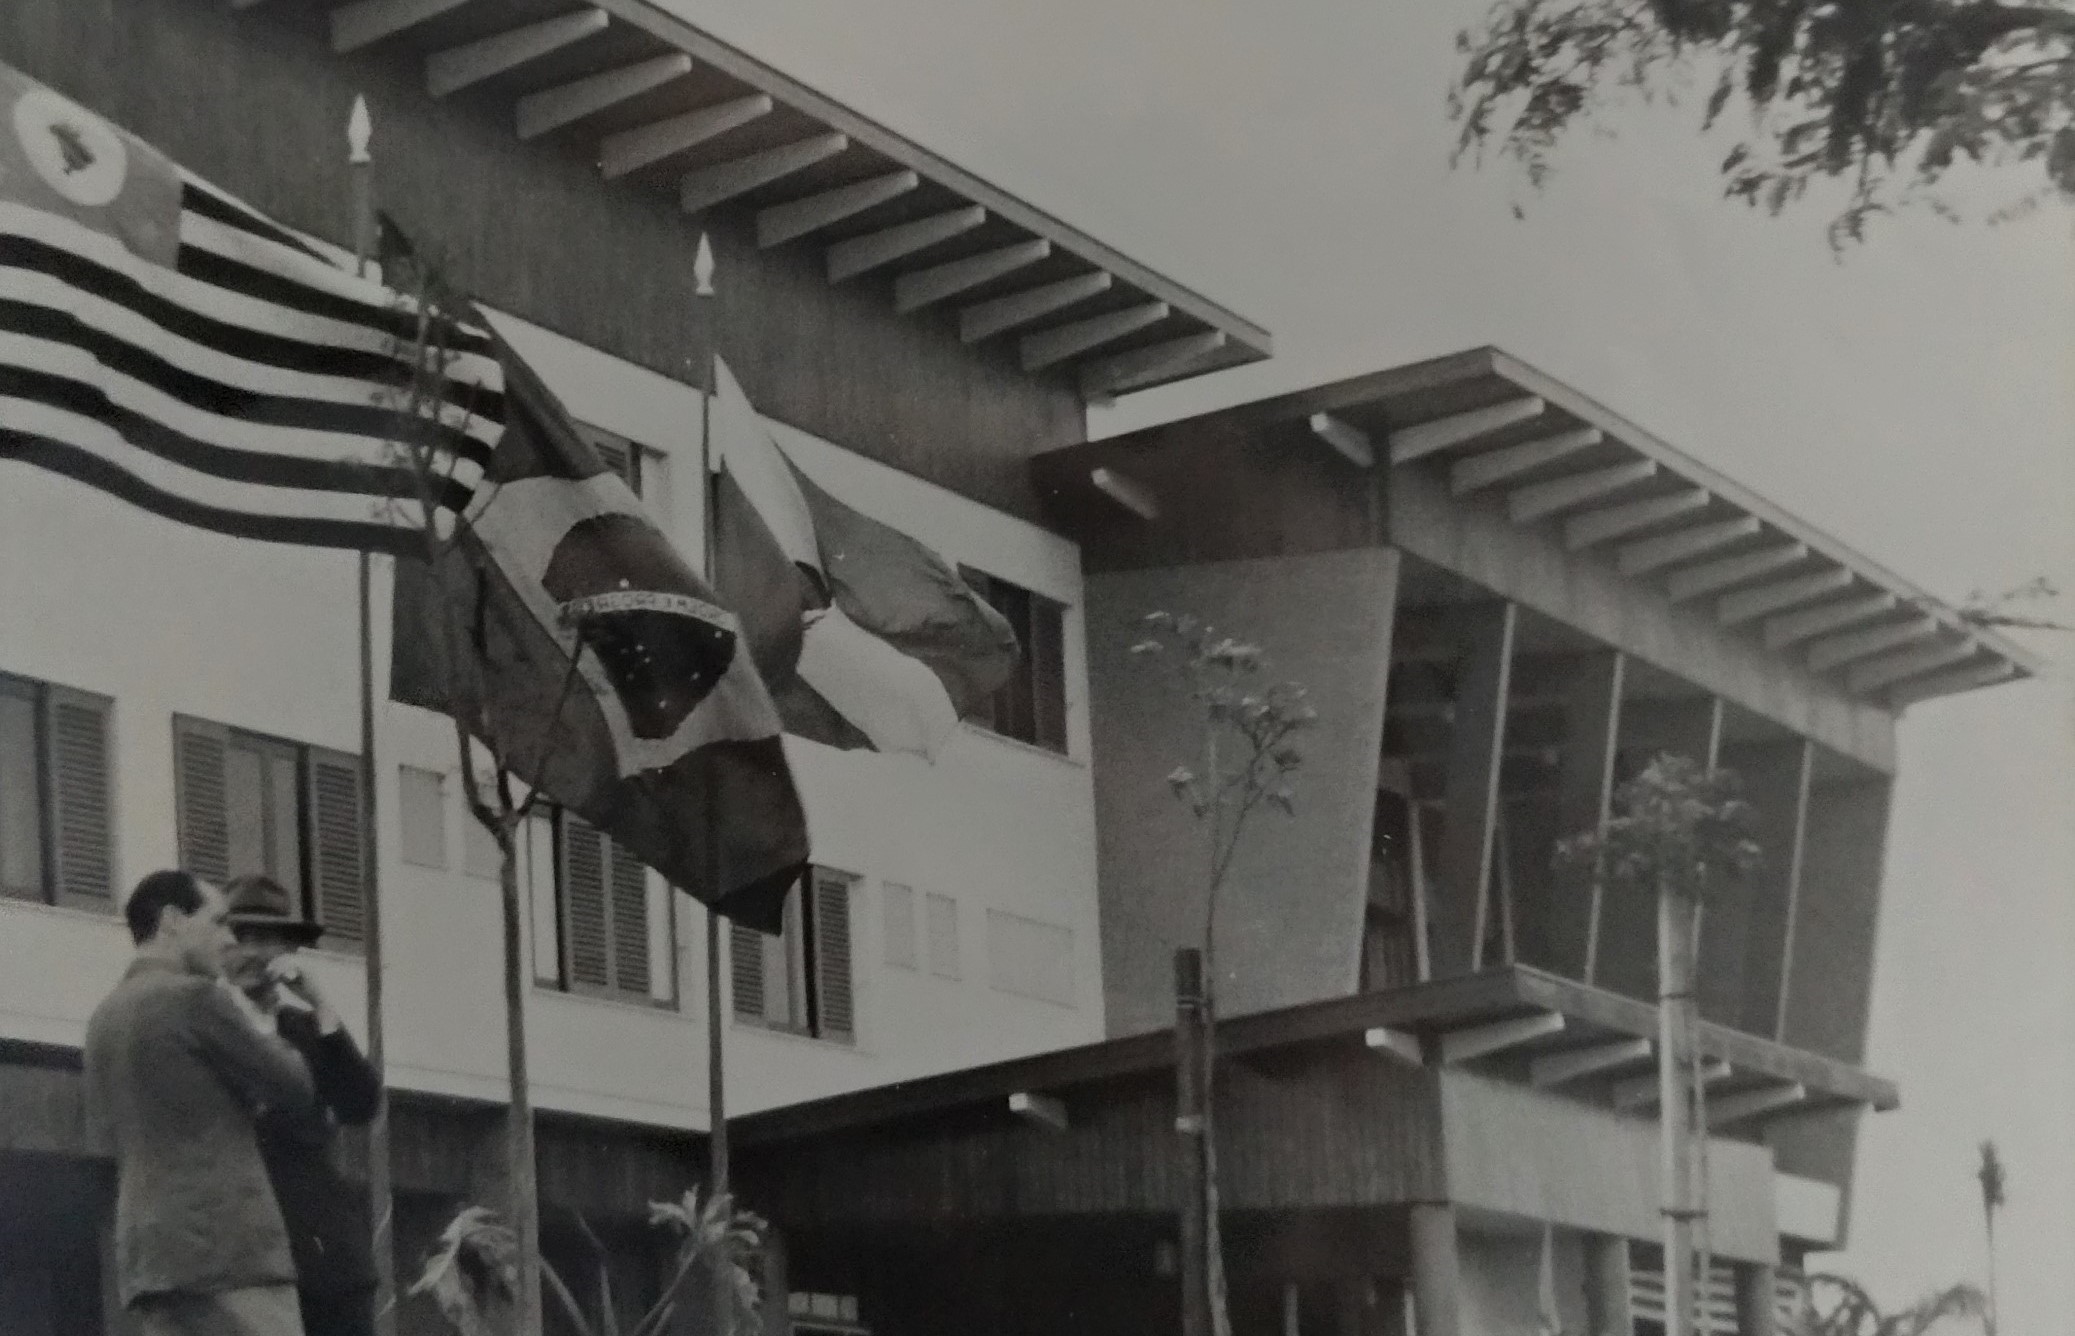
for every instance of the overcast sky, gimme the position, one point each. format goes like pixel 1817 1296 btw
pixel 1289 160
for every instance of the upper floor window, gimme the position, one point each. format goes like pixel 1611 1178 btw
pixel 1031 705
pixel 250 803
pixel 601 923
pixel 800 981
pixel 621 455
pixel 56 795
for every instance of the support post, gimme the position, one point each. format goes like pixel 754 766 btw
pixel 1471 817
pixel 1757 1307
pixel 1607 1306
pixel 1189 1127
pixel 1585 787
pixel 1436 1269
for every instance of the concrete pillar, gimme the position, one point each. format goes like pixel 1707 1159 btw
pixel 1606 1286
pixel 777 1286
pixel 1757 1314
pixel 1437 1271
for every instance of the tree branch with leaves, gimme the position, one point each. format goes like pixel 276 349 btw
pixel 1886 98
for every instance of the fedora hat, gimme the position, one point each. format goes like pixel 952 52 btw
pixel 258 901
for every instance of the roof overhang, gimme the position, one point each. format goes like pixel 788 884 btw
pixel 661 106
pixel 1544 1030
pixel 1496 432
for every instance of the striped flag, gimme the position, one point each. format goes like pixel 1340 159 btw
pixel 165 343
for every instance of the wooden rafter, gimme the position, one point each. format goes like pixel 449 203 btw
pixel 861 255
pixel 458 67
pixel 1460 429
pixel 702 189
pixel 630 150
pixel 1496 466
pixel 552 108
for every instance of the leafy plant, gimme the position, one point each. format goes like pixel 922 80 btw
pixel 472 1274
pixel 1839 1306
pixel 1676 825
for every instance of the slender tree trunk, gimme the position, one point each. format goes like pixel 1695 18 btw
pixel 1988 1321
pixel 523 1184
pixel 1675 911
pixel 1191 1128
pixel 381 1199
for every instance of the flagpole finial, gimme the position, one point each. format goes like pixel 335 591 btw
pixel 360 128
pixel 702 268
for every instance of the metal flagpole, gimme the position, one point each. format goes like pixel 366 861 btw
pixel 716 1068
pixel 359 131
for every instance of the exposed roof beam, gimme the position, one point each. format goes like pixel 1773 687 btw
pixel 1125 370
pixel 1905 664
pixel 1717 575
pixel 1613 522
pixel 1394 1043
pixel 1558 1068
pixel 1044 1110
pixel 1670 549
pixel 553 108
pixel 1351 441
pixel 1794 627
pixel 1751 604
pixel 1539 500
pixel 1752 1103
pixel 630 150
pixel 1129 493
pixel 457 67
pixel 925 287
pixel 782 222
pixel 860 255
pixel 365 22
pixel 983 320
pixel 1838 650
pixel 1641 1092
pixel 1946 684
pixel 1410 443
pixel 1046 347
pixel 1496 466
pixel 1484 1040
pixel 708 186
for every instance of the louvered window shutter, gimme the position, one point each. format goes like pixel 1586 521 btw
pixel 746 957
pixel 338 890
pixel 82 798
pixel 586 939
pixel 199 793
pixel 837 1014
pixel 630 966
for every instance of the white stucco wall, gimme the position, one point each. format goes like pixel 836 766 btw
pixel 165 620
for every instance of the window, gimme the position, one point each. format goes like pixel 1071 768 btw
pixel 421 817
pixel 800 981
pixel 1029 958
pixel 1031 705
pixel 607 917
pixel 899 903
pixel 942 924
pixel 247 803
pixel 621 455
pixel 57 842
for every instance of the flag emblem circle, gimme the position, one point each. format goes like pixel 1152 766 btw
pixel 75 152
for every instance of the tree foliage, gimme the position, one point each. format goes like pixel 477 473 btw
pixel 1676 825
pixel 1885 97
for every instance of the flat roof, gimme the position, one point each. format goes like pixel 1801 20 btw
pixel 662 106
pixel 1501 433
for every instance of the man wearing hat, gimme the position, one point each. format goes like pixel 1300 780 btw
pixel 327 1217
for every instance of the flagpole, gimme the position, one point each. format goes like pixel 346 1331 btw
pixel 716 1068
pixel 360 167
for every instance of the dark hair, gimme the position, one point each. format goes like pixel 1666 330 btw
pixel 154 895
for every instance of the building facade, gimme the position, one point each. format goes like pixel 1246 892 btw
pixel 953 1066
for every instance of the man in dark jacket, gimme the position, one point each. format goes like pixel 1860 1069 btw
pixel 178 1066
pixel 326 1216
